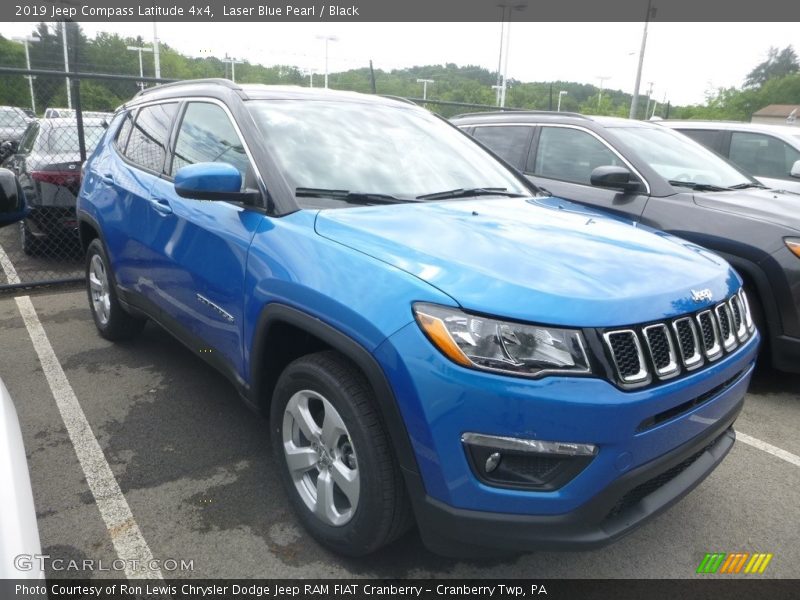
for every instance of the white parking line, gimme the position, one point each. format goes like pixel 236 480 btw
pixel 122 527
pixel 769 448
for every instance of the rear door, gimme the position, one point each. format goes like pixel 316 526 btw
pixel 201 246
pixel 129 220
pixel 562 160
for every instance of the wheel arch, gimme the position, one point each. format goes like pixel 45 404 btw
pixel 277 324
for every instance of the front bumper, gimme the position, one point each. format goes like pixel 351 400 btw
pixel 629 502
pixel 440 401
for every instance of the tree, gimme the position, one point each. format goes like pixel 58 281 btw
pixel 778 64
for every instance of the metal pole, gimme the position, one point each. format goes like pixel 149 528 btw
pixel 141 67
pixel 500 57
pixel 156 52
pixel 326 63
pixel 504 85
pixel 30 77
pixel 600 94
pixel 635 99
pixel 66 63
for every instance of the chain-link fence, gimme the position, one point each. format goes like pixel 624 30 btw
pixel 54 122
pixel 51 122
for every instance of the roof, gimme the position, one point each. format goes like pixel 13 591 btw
pixel 774 129
pixel 546 116
pixel 778 110
pixel 254 91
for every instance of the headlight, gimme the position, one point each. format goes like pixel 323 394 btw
pixel 494 345
pixel 794 245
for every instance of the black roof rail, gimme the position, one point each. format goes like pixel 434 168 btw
pixel 211 80
pixel 524 112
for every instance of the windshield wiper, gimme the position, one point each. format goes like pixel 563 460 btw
pixel 350 197
pixel 700 187
pixel 470 192
pixel 744 186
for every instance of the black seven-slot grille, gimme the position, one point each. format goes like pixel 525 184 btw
pixel 664 350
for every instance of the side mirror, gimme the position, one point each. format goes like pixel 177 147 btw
pixel 12 199
pixel 795 172
pixel 212 181
pixel 618 178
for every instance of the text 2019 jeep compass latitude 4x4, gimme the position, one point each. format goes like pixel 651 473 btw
pixel 431 338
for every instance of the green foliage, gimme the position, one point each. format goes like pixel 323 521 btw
pixel 778 64
pixel 776 80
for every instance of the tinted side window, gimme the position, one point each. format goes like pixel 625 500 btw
pixel 762 154
pixel 509 142
pixel 148 140
pixel 124 131
pixel 207 135
pixel 571 155
pixel 707 137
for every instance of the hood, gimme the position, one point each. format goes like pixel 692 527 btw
pixel 541 260
pixel 772 206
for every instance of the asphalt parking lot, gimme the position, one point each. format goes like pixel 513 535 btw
pixel 195 468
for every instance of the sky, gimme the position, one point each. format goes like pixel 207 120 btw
pixel 684 61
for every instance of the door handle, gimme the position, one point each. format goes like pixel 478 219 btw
pixel 161 205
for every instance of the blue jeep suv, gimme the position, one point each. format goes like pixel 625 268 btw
pixel 432 339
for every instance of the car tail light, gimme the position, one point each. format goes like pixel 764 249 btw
pixel 65 178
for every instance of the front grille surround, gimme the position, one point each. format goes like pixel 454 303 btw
pixel 709 332
pixel 665 360
pixel 691 352
pixel 625 374
pixel 727 332
pixel 641 354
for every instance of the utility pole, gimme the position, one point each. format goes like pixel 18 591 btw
pixel 140 49
pixel 635 99
pixel 603 79
pixel 327 38
pixel 233 62
pixel 505 37
pixel 66 62
pixel 25 41
pixel 156 52
pixel 561 93
pixel 425 83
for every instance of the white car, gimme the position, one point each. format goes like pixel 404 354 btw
pixel 19 533
pixel 771 153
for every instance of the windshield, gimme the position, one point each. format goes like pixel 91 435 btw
pixel 679 159
pixel 370 148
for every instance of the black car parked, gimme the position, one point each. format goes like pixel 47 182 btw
pixel 48 167
pixel 663 179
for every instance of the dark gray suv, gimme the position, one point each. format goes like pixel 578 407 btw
pixel 663 179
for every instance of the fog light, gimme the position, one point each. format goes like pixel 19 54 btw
pixel 492 462
pixel 525 464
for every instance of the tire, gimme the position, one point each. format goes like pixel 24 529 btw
pixel 30 245
pixel 759 318
pixel 324 392
pixel 111 320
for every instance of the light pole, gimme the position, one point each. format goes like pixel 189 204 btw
pixel 156 52
pixel 561 93
pixel 310 73
pixel 66 62
pixel 649 97
pixel 505 36
pixel 327 38
pixel 425 83
pixel 635 99
pixel 603 79
pixel 233 62
pixel 140 49
pixel 25 41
